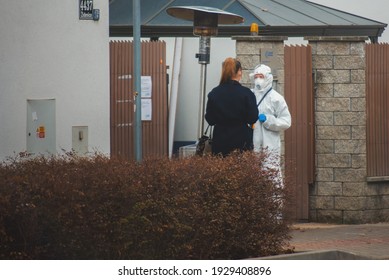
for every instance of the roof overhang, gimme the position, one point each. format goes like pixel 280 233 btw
pixel 228 31
pixel 292 18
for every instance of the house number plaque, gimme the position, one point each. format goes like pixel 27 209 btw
pixel 86 9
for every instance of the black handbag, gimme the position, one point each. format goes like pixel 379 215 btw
pixel 204 145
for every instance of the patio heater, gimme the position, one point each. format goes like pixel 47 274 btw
pixel 205 24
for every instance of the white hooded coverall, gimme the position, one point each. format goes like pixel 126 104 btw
pixel 267 134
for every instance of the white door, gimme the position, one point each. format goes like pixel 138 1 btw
pixel 41 126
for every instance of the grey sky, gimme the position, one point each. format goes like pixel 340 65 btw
pixel 372 9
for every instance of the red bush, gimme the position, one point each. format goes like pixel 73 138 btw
pixel 100 208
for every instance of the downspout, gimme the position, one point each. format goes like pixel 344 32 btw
pixel 174 91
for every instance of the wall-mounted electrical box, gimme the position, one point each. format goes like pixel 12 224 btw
pixel 80 139
pixel 41 134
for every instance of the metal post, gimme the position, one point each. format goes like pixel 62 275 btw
pixel 137 81
pixel 205 22
pixel 204 57
pixel 203 83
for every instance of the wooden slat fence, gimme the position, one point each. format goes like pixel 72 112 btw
pixel 300 139
pixel 377 109
pixel 154 132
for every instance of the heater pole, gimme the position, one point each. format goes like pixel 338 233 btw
pixel 204 58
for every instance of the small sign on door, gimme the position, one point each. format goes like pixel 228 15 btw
pixel 40 132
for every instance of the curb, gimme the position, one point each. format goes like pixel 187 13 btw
pixel 318 255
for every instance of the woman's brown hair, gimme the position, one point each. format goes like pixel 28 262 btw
pixel 230 68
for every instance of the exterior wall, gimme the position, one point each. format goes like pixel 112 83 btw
pixel 341 193
pixel 47 52
pixel 188 99
pixel 248 51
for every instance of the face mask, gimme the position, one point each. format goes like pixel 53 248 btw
pixel 259 83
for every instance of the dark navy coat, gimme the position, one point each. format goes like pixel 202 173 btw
pixel 232 109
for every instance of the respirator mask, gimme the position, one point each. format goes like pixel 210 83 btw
pixel 260 83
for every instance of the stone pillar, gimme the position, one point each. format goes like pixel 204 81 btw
pixel 339 194
pixel 269 50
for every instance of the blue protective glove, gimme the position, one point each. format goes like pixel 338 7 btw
pixel 262 118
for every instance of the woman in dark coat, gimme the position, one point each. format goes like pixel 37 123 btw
pixel 232 109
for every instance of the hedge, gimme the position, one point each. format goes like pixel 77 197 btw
pixel 70 207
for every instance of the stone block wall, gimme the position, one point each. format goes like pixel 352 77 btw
pixel 248 52
pixel 340 129
pixel 342 192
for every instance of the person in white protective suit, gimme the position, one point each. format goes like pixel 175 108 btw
pixel 274 116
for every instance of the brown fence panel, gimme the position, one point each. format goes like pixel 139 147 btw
pixel 121 99
pixel 377 104
pixel 300 139
pixel 154 132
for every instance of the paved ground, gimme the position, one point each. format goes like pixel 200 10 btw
pixel 370 240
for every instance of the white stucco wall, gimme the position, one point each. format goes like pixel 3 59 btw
pixel 47 52
pixel 189 81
